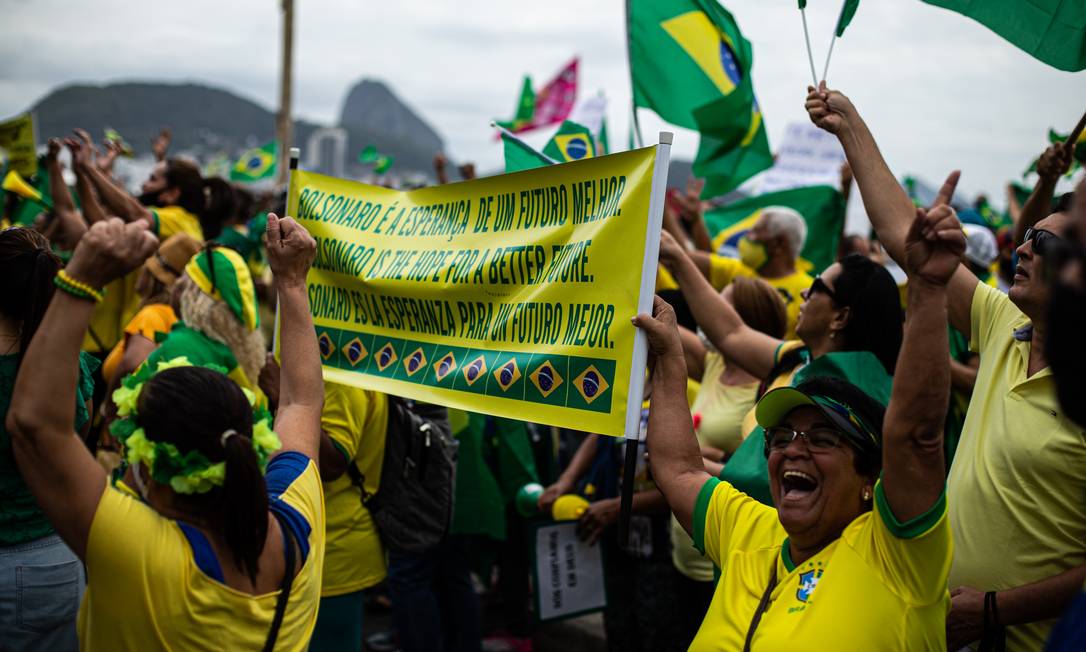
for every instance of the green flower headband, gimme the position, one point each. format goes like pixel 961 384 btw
pixel 191 473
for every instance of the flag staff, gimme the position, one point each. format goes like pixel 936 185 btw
pixel 807 38
pixel 836 30
pixel 283 125
pixel 1072 138
pixel 633 100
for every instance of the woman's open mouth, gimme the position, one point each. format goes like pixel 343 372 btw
pixel 797 485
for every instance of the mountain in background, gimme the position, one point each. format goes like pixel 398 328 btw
pixel 206 120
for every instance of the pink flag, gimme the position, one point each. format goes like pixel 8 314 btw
pixel 554 102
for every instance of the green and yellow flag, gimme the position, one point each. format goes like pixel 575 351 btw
pixel 223 275
pixel 525 108
pixel 822 207
pixel 256 164
pixel 519 155
pixel 691 65
pixel 1053 31
pixel 684 55
pixel 381 162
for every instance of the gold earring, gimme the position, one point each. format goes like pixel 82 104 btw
pixel 833 335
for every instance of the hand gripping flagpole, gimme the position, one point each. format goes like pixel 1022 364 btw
pixel 294 155
pixel 635 396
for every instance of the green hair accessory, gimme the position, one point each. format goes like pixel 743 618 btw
pixel 191 472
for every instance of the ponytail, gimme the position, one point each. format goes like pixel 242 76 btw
pixel 244 504
pixel 211 200
pixel 27 266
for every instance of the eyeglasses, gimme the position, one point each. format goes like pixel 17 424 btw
pixel 1042 240
pixel 818 285
pixel 818 440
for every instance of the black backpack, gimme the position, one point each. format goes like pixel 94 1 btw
pixel 413 504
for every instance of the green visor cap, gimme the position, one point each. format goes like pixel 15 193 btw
pixel 775 406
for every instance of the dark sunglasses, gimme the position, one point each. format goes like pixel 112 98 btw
pixel 1042 240
pixel 818 285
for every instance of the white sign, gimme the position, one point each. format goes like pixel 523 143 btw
pixel 808 156
pixel 569 573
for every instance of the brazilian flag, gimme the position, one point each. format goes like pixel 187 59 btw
pixel 381 162
pixel 572 142
pixel 822 207
pixel 519 156
pixel 256 164
pixel 691 64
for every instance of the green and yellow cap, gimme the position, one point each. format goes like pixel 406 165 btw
pixel 223 275
pixel 775 406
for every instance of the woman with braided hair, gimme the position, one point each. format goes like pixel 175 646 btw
pixel 225 549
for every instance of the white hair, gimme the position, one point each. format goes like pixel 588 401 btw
pixel 781 220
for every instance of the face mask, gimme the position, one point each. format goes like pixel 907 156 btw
pixel 1066 349
pixel 752 254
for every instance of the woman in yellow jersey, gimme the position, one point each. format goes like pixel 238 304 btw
pixel 217 556
pixel 857 552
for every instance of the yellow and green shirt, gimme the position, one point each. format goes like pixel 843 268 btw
pixel 155 584
pixel 1017 488
pixel 880 586
pixel 723 270
pixel 356 420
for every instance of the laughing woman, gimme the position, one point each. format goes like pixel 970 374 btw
pixel 856 554
pixel 225 550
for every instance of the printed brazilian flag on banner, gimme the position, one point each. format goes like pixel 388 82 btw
pixel 256 164
pixel 822 207
pixel 572 142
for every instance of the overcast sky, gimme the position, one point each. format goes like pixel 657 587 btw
pixel 939 90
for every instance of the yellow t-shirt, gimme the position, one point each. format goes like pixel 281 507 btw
pixel 722 270
pixel 722 408
pixel 1018 482
pixel 169 220
pixel 880 586
pixel 356 420
pixel 150 320
pixel 150 579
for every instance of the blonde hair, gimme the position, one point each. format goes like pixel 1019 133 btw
pixel 214 319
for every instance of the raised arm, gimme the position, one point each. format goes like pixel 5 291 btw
pixel 889 208
pixel 115 198
pixel 740 344
pixel 66 225
pixel 1054 162
pixel 301 388
pixel 66 481
pixel 913 474
pixel 81 156
pixel 674 454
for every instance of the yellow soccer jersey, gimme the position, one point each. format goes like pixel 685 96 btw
pixel 169 220
pixel 880 586
pixel 356 420
pixel 722 270
pixel 155 584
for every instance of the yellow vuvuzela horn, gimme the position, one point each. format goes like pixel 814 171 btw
pixel 13 182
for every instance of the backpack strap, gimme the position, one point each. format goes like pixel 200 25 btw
pixel 284 587
pixel 788 362
pixel 358 479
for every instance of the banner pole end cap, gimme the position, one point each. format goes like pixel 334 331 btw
pixel 666 137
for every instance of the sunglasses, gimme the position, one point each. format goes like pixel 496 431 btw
pixel 818 285
pixel 1042 240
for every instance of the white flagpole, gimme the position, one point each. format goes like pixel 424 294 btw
pixel 649 263
pixel 508 134
pixel 829 54
pixel 807 38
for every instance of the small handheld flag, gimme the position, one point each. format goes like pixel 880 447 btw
pixel 256 164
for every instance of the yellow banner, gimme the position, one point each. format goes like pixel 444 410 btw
pixel 17 142
pixel 510 295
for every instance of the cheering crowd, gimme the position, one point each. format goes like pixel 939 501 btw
pixel 843 461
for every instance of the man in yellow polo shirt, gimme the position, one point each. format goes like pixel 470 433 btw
pixel 1016 489
pixel 769 251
